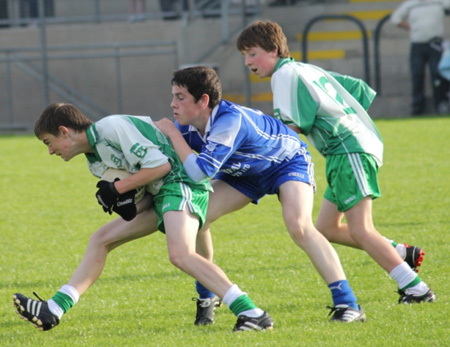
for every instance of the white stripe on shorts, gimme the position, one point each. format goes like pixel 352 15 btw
pixel 187 196
pixel 360 175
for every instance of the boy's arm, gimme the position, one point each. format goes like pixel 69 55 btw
pixel 142 178
pixel 139 152
pixel 182 148
pixel 179 144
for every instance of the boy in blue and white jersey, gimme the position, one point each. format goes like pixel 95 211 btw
pixel 244 143
pixel 247 155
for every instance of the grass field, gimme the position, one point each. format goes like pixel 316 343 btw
pixel 48 211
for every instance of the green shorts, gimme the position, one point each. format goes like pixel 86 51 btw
pixel 351 177
pixel 175 197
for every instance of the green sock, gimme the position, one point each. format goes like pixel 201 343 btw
pixel 241 304
pixel 63 300
pixel 392 242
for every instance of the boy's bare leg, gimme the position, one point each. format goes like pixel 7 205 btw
pixel 297 201
pixel 104 240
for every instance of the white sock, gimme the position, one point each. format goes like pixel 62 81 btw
pixel 401 250
pixel 232 294
pixel 419 289
pixel 70 291
pixel 403 275
pixel 55 309
pixel 256 312
pixel 388 240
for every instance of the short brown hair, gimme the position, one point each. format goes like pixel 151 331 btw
pixel 60 114
pixel 199 80
pixel 265 34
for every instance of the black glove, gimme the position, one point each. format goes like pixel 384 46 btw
pixel 107 195
pixel 126 205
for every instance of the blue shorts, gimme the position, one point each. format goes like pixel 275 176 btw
pixel 299 168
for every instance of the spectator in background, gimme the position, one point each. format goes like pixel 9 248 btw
pixel 425 21
pixel 172 9
pixel 30 9
pixel 136 9
pixel 4 12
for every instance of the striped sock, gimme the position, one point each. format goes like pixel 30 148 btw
pixel 63 300
pixel 240 304
pixel 405 276
pixel 392 242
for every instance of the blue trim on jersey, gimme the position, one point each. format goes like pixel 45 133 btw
pixel 192 169
pixel 249 149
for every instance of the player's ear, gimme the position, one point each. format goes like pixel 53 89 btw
pixel 204 99
pixel 64 131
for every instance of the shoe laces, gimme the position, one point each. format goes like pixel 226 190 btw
pixel 37 296
pixel 334 309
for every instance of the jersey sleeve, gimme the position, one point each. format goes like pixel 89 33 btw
pixel 224 137
pixel 139 151
pixel 292 101
pixel 359 89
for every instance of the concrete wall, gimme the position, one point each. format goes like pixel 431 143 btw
pixel 146 81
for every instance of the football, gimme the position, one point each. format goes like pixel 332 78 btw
pixel 111 174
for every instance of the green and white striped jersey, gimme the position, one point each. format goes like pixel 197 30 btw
pixel 329 108
pixel 132 143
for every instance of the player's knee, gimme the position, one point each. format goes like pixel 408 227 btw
pixel 178 259
pixel 298 230
pixel 101 238
pixel 325 229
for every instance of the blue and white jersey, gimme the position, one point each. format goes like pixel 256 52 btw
pixel 242 142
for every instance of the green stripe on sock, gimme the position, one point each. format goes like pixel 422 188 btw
pixel 241 304
pixel 63 300
pixel 413 283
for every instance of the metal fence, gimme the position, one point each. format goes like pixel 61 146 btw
pixel 27 12
pixel 100 78
pixel 66 72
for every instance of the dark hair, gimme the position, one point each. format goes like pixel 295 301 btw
pixel 199 80
pixel 265 34
pixel 56 115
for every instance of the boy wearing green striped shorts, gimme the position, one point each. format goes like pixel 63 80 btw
pixel 176 205
pixel 331 111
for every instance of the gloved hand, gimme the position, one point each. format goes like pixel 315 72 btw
pixel 107 195
pixel 125 206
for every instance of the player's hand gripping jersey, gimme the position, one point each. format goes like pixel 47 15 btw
pixel 242 142
pixel 330 109
pixel 132 143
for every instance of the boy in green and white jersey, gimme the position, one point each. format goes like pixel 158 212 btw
pixel 177 205
pixel 331 110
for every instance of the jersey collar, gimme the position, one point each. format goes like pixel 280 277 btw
pixel 92 137
pixel 283 61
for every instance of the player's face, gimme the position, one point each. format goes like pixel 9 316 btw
pixel 185 109
pixel 61 145
pixel 260 62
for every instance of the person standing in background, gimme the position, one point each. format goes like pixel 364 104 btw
pixel 136 10
pixel 425 21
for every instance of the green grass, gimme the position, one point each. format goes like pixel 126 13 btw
pixel 48 211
